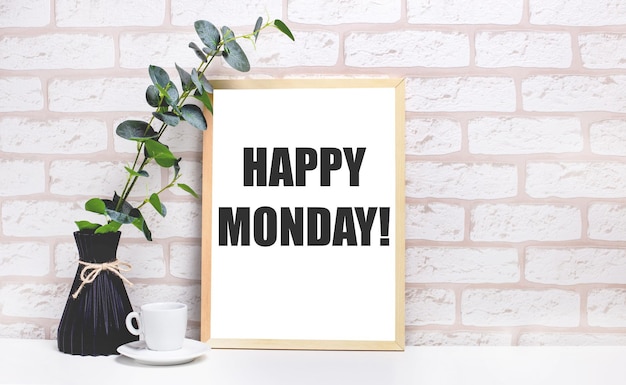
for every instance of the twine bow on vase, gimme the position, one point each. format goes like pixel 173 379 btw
pixel 91 271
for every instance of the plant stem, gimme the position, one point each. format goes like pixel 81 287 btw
pixel 132 179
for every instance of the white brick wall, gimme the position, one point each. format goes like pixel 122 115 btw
pixel 577 13
pixel 523 49
pixel 574 266
pixel 85 13
pixel 574 93
pixel 521 135
pixel 70 136
pixel 515 307
pixel 465 11
pixel 605 50
pixel 399 48
pixel 461 180
pixel 522 222
pixel 515 152
pixel 471 93
pixel 54 51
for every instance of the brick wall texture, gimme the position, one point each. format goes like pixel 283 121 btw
pixel 515 151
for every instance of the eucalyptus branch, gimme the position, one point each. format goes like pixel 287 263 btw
pixel 171 109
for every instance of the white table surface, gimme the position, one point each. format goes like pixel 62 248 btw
pixel 39 362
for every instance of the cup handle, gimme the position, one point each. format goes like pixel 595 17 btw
pixel 129 325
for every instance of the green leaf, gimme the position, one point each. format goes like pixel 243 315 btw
pixel 158 76
pixel 142 173
pixel 86 225
pixel 210 52
pixel 188 189
pixel 96 205
pixel 196 80
pixel 233 53
pixel 206 86
pixel 169 118
pixel 170 92
pixel 152 96
pixel 124 218
pixel 125 214
pixel 161 154
pixel 257 27
pixel 205 99
pixel 283 28
pixel 158 206
pixel 176 168
pixel 110 227
pixel 198 51
pixel 193 115
pixel 208 33
pixel 135 130
pixel 141 224
pixel 185 79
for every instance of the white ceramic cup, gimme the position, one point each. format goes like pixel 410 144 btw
pixel 162 324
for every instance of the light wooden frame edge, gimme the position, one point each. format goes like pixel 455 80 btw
pixel 207 172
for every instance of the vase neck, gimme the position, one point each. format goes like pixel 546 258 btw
pixel 97 248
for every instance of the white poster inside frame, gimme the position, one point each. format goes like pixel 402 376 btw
pixel 303 215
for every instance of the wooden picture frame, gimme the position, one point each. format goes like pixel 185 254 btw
pixel 303 215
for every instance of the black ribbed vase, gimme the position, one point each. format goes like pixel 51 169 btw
pixel 93 324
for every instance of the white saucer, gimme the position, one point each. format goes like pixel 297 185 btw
pixel 138 351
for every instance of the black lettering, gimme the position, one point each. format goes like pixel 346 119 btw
pixel 250 166
pixel 281 167
pixel 291 225
pixel 330 161
pixel 239 225
pixel 365 223
pixel 321 216
pixel 344 227
pixel 265 226
pixel 306 160
pixel 354 163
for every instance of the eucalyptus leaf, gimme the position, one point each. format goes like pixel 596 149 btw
pixel 86 225
pixel 110 227
pixel 123 218
pixel 153 97
pixel 96 205
pixel 233 53
pixel 185 79
pixel 141 224
pixel 188 189
pixel 284 29
pixel 112 204
pixel 170 92
pixel 211 52
pixel 208 33
pixel 196 80
pixel 158 76
pixel 135 130
pixel 161 154
pixel 123 214
pixel 169 118
pixel 205 99
pixel 193 115
pixel 155 201
pixel 206 85
pixel 228 34
pixel 257 27
pixel 140 173
pixel 177 168
pixel 198 51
